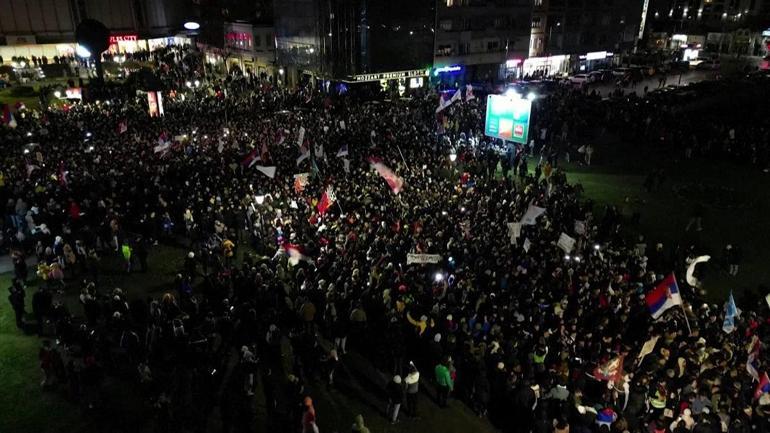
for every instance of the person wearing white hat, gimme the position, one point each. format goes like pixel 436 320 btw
pixel 395 391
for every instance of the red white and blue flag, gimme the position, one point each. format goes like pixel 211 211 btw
pixel 762 387
pixel 664 296
pixel 295 253
pixel 251 159
pixel 327 200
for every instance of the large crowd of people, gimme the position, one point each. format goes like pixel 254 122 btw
pixel 286 272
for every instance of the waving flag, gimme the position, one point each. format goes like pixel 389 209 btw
pixel 611 371
pixel 443 102
pixel 663 297
pixel 304 152
pixel 752 349
pixel 327 200
pixel 267 171
pixel 731 312
pixel 690 274
pixel 300 180
pixel 395 182
pixel 295 253
pixel 251 159
pixel 469 93
pixel 458 96
pixel 343 151
pixel 8 118
pixel 762 387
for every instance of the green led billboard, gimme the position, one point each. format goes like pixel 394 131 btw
pixel 508 118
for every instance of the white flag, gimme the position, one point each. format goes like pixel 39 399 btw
pixel 526 245
pixel 689 276
pixel 566 243
pixel 530 217
pixel 301 136
pixel 267 171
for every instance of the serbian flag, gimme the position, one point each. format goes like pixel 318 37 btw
pixel 327 200
pixel 295 253
pixel 304 152
pixel 395 182
pixel 611 371
pixel 762 387
pixel 8 118
pixel 251 159
pixel 122 126
pixel 162 138
pixel 443 102
pixel 664 296
pixel 469 93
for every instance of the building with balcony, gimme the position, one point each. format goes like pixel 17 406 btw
pixel 480 40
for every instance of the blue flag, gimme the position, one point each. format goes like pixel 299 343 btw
pixel 731 312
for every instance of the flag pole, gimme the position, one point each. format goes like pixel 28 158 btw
pixel 684 312
pixel 402 156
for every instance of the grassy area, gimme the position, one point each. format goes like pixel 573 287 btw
pixel 744 196
pixel 24 406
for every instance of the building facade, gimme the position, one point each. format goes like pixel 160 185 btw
pixel 481 40
pixel 342 39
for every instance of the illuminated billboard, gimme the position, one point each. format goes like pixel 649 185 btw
pixel 508 118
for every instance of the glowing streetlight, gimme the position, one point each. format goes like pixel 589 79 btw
pixel 82 51
pixel 191 25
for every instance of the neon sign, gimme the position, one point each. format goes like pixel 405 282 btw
pixel 445 69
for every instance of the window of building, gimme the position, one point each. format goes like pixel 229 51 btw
pixel 493 45
pixel 446 25
pixel 536 22
pixel 444 50
pixel 465 48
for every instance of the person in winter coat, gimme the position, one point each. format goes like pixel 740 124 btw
pixel 358 425
pixel 395 391
pixel 412 381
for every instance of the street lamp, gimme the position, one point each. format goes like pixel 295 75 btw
pixel 191 25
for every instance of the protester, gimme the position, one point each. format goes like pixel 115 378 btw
pixel 288 252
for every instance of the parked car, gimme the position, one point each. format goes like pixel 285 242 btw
pixel 620 72
pixel 709 64
pixel 580 79
pixel 601 75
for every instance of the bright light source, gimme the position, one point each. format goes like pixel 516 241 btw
pixel 281 71
pixel 188 84
pixel 57 94
pixel 452 156
pixel 577 259
pixel 567 257
pixel 26 151
pixel 425 166
pixel 88 134
pixel 260 199
pixel 511 93
pixel 197 83
pixel 311 50
pixel 438 277
pixel 597 247
pixel 29 134
pixel 531 96
pixel 191 25
pixel 82 51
